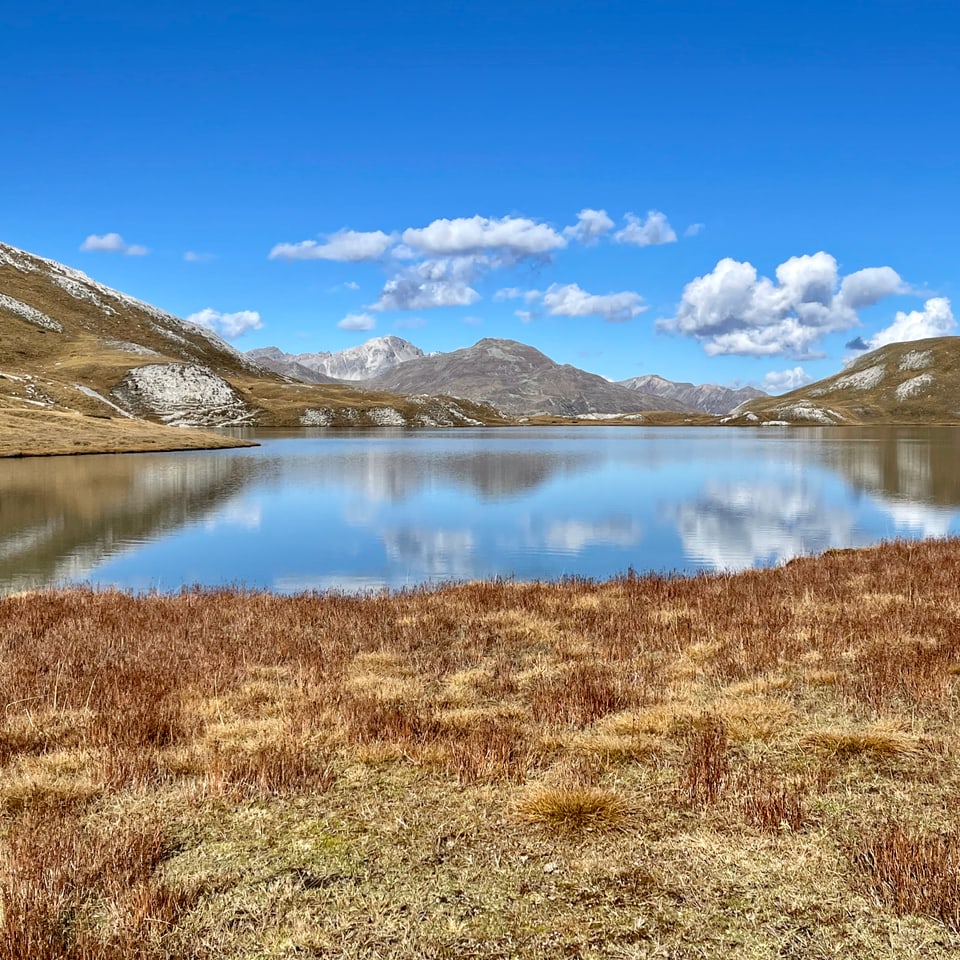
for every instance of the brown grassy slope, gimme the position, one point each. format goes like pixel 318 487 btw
pixel 751 765
pixel 914 382
pixel 88 335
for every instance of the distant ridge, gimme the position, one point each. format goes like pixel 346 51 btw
pixel 362 362
pixel 520 381
pixel 705 397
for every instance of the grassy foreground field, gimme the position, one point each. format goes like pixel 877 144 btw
pixel 753 765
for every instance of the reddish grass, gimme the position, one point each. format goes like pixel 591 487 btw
pixel 70 892
pixel 133 684
pixel 913 872
pixel 706 764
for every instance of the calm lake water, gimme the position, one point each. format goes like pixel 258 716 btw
pixel 350 511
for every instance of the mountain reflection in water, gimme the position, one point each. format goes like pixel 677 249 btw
pixel 354 511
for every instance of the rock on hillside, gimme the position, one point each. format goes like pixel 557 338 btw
pixel 913 382
pixel 705 397
pixel 518 380
pixel 367 360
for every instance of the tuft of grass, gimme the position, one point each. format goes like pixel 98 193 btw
pixel 875 741
pixel 572 807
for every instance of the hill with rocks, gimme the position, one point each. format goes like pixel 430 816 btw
pixel 71 347
pixel 917 381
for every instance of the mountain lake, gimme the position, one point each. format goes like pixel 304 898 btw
pixel 318 510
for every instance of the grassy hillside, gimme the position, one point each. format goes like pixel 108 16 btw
pixel 69 345
pixel 752 765
pixel 914 382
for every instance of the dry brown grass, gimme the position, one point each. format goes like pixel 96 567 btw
pixel 358 777
pixel 44 433
pixel 572 807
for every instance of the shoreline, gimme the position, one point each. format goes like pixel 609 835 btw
pixel 46 434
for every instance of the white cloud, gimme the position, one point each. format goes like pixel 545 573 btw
pixel 438 282
pixel 695 229
pixel 525 316
pixel 651 232
pixel 192 256
pixel 572 301
pixel 357 321
pixel 935 320
pixel 112 243
pixel 732 310
pixel 347 246
pixel 227 324
pixel 515 293
pixel 515 237
pixel 352 285
pixel 780 381
pixel 867 287
pixel 590 226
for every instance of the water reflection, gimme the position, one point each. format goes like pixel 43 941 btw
pixel 737 526
pixel 60 517
pixel 393 509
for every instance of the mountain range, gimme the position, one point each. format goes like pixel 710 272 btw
pixel 705 397
pixel 516 378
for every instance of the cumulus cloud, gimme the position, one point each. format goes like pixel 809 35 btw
pixel 436 282
pixel 191 256
pixel 514 237
pixel 227 324
pixel 867 287
pixel 780 381
pixel 357 321
pixel 572 301
pixel 524 316
pixel 590 226
pixel 651 232
pixel 112 243
pixel 410 292
pixel 732 310
pixel 934 320
pixel 695 229
pixel 347 246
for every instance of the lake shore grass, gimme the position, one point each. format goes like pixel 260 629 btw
pixel 761 764
pixel 45 433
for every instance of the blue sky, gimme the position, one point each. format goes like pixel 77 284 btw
pixel 615 183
